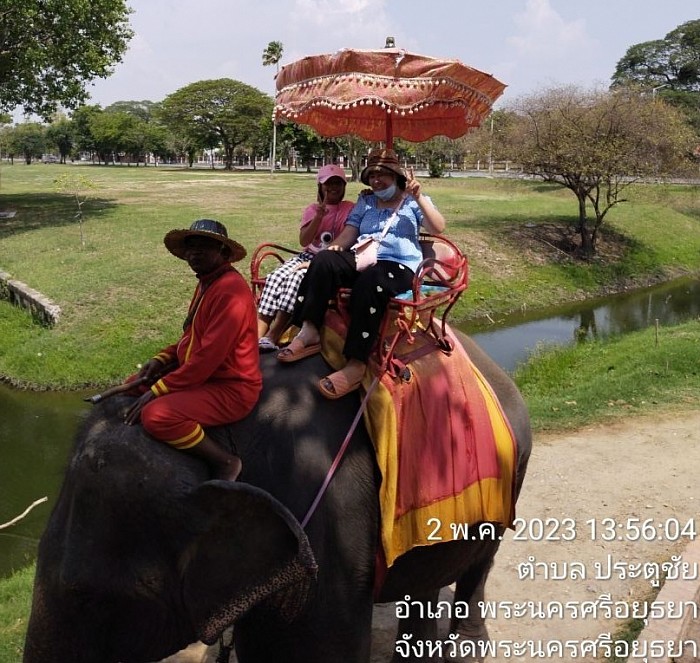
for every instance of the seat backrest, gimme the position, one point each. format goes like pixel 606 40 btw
pixel 451 259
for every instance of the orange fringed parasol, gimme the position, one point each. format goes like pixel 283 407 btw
pixel 382 94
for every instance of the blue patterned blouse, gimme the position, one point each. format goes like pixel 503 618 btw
pixel 400 243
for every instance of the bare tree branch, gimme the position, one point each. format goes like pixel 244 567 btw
pixel 24 513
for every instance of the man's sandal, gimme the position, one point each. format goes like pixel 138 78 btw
pixel 296 350
pixel 336 385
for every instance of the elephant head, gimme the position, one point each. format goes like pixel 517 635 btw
pixel 142 555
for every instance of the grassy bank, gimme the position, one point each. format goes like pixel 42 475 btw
pixel 15 603
pixel 635 374
pixel 123 295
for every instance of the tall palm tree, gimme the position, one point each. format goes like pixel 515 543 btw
pixel 272 55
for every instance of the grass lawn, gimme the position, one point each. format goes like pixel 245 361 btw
pixel 638 373
pixel 15 604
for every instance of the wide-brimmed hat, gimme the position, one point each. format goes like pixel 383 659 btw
pixel 331 170
pixel 175 240
pixel 382 159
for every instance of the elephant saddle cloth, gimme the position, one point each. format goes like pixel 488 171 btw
pixel 445 449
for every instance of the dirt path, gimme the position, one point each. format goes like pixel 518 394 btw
pixel 636 471
pixel 646 468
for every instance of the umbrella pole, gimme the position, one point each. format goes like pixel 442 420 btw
pixel 389 132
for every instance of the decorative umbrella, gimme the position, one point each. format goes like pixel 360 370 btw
pixel 382 94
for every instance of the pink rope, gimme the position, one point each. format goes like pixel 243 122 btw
pixel 339 456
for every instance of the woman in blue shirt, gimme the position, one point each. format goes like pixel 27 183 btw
pixel 396 199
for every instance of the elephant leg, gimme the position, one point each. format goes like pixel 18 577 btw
pixel 470 589
pixel 416 629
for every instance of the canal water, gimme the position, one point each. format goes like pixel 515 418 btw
pixel 510 340
pixel 36 429
pixel 36 432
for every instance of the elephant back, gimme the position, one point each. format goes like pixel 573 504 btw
pixel 290 439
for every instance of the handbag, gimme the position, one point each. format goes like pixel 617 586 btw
pixel 366 249
pixel 365 253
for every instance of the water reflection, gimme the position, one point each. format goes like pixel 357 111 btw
pixel 36 432
pixel 512 339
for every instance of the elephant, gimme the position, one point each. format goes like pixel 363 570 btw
pixel 143 555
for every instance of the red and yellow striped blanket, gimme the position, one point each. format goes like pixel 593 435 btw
pixel 443 445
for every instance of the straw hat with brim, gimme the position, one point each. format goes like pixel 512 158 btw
pixel 175 240
pixel 379 160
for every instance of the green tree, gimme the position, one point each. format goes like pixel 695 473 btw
pixel 158 142
pixel 355 149
pixel 145 136
pixel 51 49
pixel 673 61
pixel 7 145
pixel 217 112
pixel 78 186
pixel 272 56
pixel 82 128
pixel 259 144
pixel 60 135
pixel 143 110
pixel 436 152
pixel 136 140
pixel 5 139
pixel 286 143
pixel 668 67
pixel 113 134
pixel 182 147
pixel 29 140
pixel 596 144
pixel 307 144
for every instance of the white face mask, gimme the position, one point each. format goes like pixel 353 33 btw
pixel 386 194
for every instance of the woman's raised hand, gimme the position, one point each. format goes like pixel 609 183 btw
pixel 321 206
pixel 412 184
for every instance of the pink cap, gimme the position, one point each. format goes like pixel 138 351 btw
pixel 331 170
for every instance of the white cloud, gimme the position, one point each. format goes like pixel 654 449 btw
pixel 352 23
pixel 325 26
pixel 544 33
pixel 330 10
pixel 548 49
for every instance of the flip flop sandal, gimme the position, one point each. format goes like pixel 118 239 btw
pixel 266 345
pixel 336 385
pixel 296 350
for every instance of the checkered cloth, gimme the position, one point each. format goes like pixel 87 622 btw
pixel 282 285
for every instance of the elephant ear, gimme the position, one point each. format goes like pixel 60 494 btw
pixel 249 548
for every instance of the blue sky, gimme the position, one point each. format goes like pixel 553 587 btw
pixel 527 44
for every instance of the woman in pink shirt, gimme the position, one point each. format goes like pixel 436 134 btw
pixel 321 224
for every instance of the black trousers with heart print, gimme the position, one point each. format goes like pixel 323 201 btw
pixel 371 291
